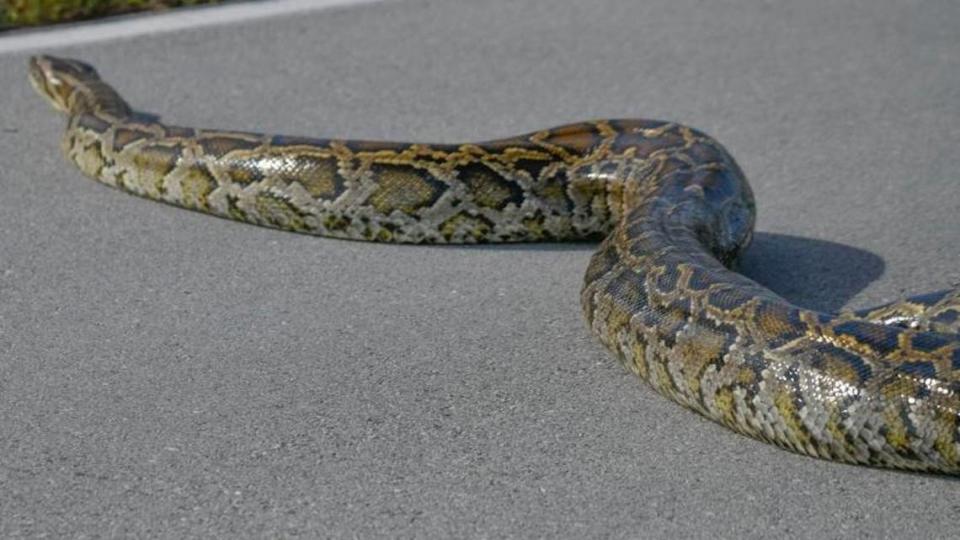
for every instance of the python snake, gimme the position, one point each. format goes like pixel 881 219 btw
pixel 878 387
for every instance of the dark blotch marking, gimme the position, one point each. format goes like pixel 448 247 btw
pixel 699 279
pixel 666 282
pixel 488 188
pixel 533 166
pixel 929 342
pixel 220 145
pixel 404 188
pixel 949 316
pixel 287 140
pixel 123 137
pixel 92 123
pixel 579 138
pixel 929 299
pixel 923 370
pixel 728 298
pixel 825 354
pixel 780 324
pixel 158 158
pixel 879 337
pixel 177 131
pixel 319 176
pixel 375 146
pixel 499 145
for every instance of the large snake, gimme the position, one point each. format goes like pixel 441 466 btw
pixel 878 387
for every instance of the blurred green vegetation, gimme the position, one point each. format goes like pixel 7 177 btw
pixel 15 13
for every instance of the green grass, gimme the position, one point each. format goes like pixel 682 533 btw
pixel 14 13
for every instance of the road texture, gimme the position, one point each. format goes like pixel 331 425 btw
pixel 165 373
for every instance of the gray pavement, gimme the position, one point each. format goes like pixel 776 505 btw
pixel 164 373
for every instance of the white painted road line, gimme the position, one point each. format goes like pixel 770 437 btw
pixel 178 19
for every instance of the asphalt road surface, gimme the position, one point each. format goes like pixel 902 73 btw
pixel 165 373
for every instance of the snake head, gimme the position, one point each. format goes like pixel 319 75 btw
pixel 59 79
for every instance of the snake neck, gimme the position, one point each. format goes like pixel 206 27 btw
pixel 98 98
pixel 88 94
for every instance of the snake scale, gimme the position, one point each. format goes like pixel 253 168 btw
pixel 879 387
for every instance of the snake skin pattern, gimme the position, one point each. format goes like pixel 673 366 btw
pixel 878 387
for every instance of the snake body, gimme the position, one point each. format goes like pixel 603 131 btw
pixel 878 387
